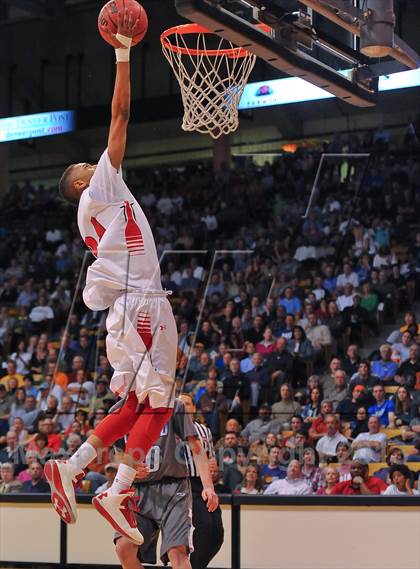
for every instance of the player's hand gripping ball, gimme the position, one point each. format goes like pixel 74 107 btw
pixel 108 20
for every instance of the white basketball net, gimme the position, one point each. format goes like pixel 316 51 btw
pixel 211 81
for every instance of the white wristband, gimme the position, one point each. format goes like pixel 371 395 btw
pixel 123 53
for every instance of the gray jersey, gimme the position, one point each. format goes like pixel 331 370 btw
pixel 166 458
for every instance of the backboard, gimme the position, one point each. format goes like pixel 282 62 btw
pixel 333 44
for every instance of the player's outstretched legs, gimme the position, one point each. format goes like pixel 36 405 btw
pixel 144 425
pixel 115 504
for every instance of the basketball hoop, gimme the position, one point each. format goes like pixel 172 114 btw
pixel 211 77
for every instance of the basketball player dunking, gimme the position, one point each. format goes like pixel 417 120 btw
pixel 142 337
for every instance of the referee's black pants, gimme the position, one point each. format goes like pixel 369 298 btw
pixel 208 533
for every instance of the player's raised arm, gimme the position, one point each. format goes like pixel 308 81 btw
pixel 122 90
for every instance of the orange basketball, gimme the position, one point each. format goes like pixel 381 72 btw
pixel 108 20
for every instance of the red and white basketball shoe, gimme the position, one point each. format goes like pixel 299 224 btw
pixel 63 481
pixel 119 510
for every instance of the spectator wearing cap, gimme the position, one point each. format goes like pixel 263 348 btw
pixel 384 367
pixel 370 446
pixel 257 429
pixel 110 472
pixel 293 485
pixel 383 407
pixel 360 482
pixel 36 485
pixel 97 401
pixel 327 445
pixel 46 389
pixel 8 483
pixel 347 408
pixel 400 477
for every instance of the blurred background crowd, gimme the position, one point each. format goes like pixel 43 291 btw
pixel 298 335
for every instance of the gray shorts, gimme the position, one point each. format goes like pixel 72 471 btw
pixel 165 506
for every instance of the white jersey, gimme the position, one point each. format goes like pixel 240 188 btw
pixel 114 227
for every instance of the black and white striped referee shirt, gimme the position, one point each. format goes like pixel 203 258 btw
pixel 206 439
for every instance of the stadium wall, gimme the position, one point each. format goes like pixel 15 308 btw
pixel 260 533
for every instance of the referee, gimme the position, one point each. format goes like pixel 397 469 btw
pixel 206 523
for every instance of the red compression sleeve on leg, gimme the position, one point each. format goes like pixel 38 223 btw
pixel 116 425
pixel 146 430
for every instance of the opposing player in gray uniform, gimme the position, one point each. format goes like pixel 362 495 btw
pixel 164 497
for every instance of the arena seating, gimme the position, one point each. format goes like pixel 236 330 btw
pixel 339 287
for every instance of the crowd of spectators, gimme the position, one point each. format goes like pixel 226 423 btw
pixel 275 314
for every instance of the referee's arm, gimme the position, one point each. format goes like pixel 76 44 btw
pixel 202 465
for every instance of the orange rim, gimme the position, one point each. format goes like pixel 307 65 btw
pixel 187 29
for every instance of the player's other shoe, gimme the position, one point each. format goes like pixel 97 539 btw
pixel 63 481
pixel 119 510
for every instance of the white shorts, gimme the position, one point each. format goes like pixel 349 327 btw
pixel 142 347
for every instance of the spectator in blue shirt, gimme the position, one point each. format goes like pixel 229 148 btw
pixel 290 303
pixel 330 281
pixel 385 368
pixel 246 364
pixel 383 407
pixel 273 470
